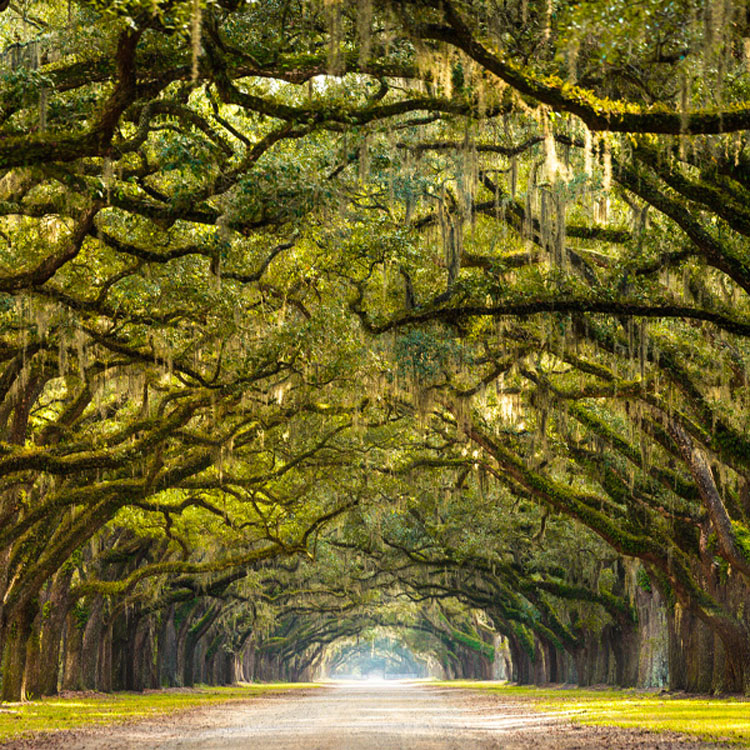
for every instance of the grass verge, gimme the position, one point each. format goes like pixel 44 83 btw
pixel 74 712
pixel 719 719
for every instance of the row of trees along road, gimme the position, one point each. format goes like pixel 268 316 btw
pixel 321 319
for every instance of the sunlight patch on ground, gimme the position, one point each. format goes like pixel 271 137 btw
pixel 726 719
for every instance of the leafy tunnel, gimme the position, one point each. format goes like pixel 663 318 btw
pixel 390 335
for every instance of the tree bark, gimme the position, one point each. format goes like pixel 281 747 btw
pixel 92 636
pixel 73 645
pixel 17 631
pixel 53 623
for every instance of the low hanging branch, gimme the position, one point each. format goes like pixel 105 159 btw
pixel 453 314
pixel 25 150
pixel 697 462
pixel 50 265
pixel 599 115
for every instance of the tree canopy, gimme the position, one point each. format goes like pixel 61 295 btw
pixel 323 321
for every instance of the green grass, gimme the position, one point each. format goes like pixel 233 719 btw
pixel 72 712
pixel 721 719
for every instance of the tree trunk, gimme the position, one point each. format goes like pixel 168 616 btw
pixel 34 667
pixel 194 635
pixel 4 561
pixel 540 666
pixel 54 614
pixel 72 652
pixel 92 636
pixel 17 632
pixel 104 664
pixel 140 655
pixel 183 615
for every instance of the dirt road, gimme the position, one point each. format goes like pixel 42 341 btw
pixel 362 716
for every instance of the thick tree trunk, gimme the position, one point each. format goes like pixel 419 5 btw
pixel 212 663
pixel 248 661
pixel 54 613
pixel 502 667
pixel 550 654
pixel 522 667
pixel 73 646
pixel 33 663
pixel 141 655
pixel 188 664
pixel 4 561
pixel 160 642
pixel 653 640
pixel 17 631
pixel 104 663
pixel 691 652
pixel 229 669
pixel 539 664
pixel 194 635
pixel 92 636
pixel 168 649
pixel 129 665
pixel 184 615
pixel 119 623
pixel 706 660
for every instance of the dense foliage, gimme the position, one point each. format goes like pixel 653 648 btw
pixel 321 321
